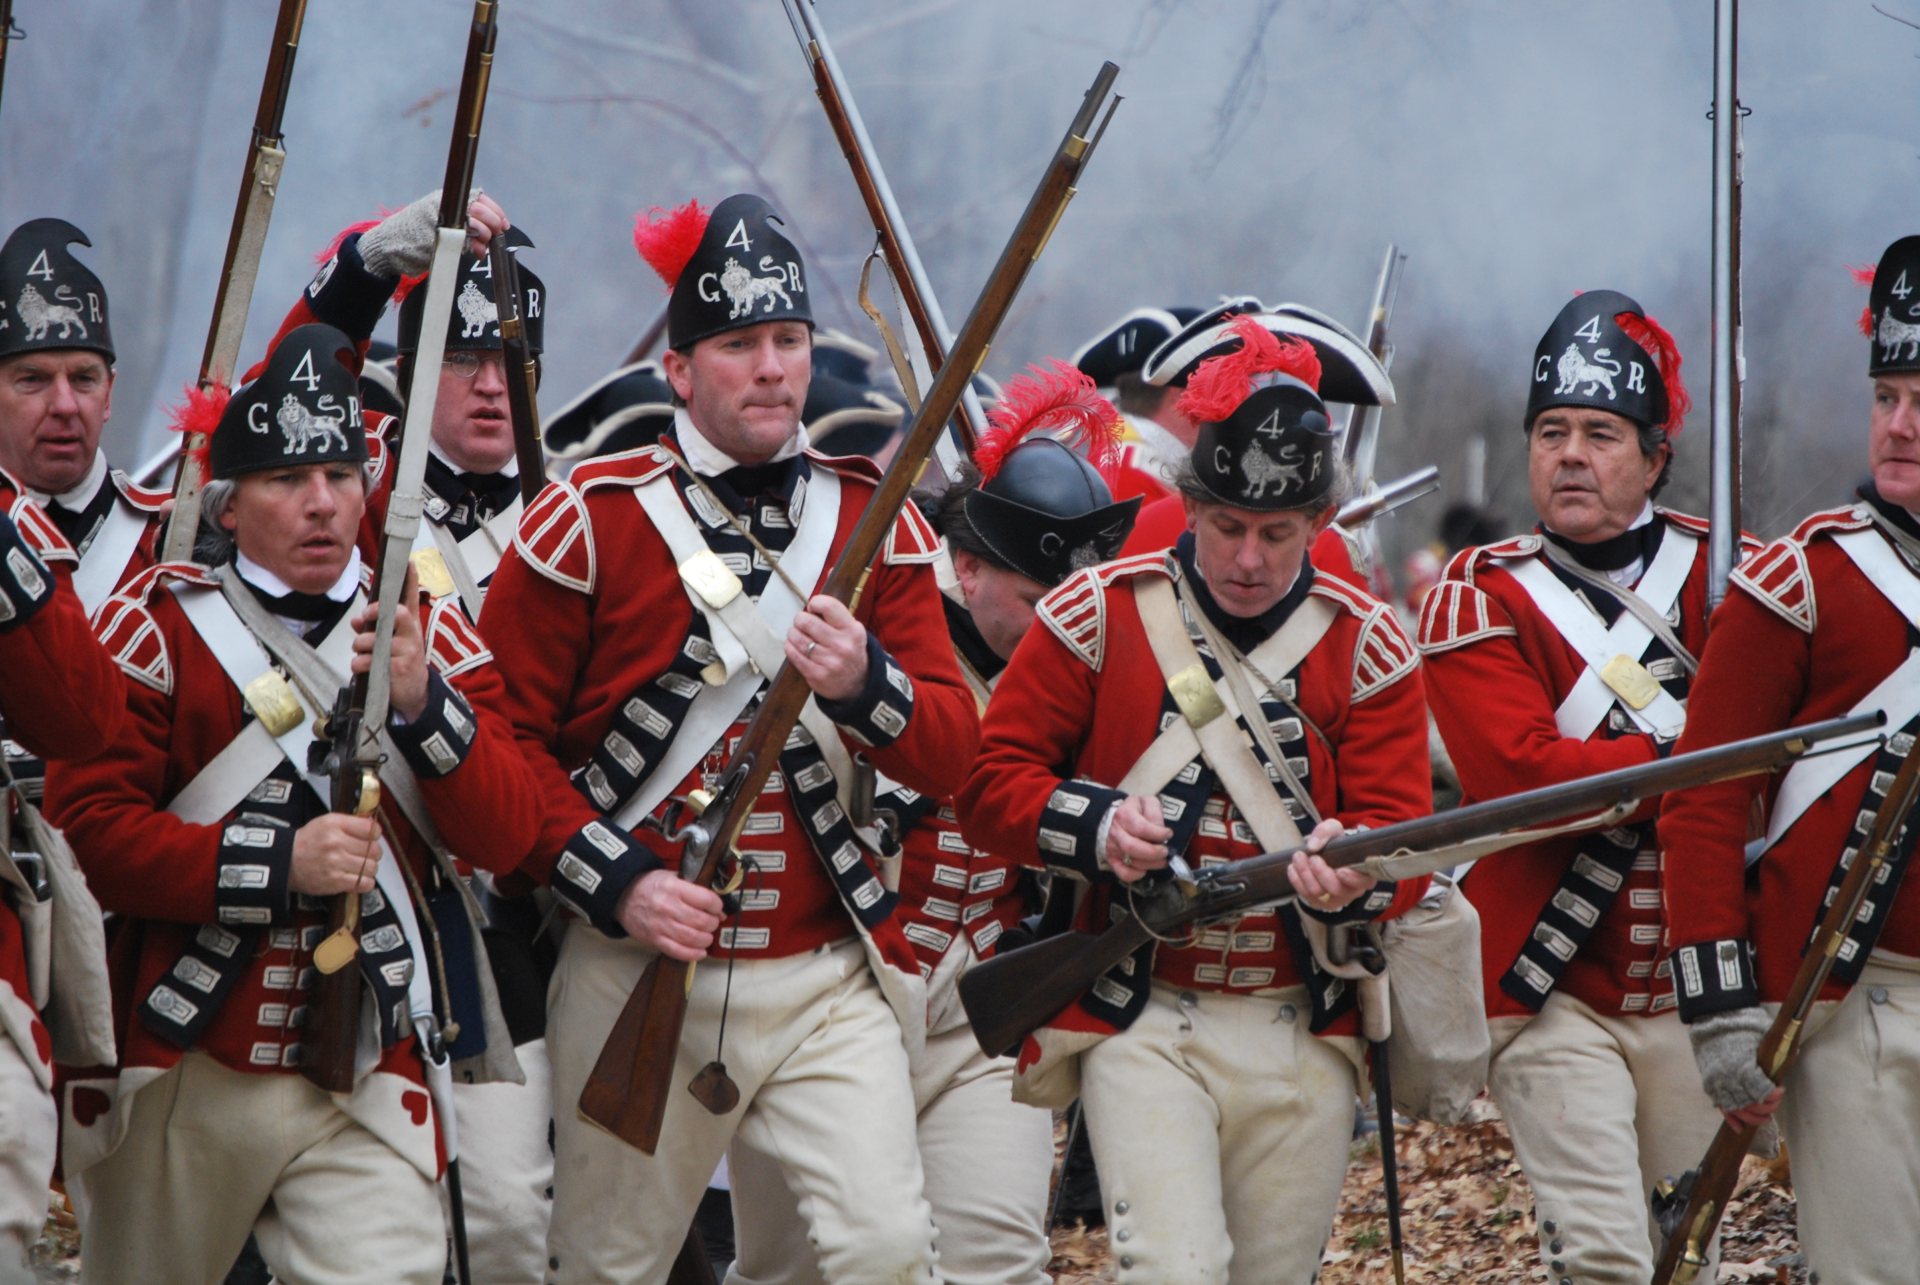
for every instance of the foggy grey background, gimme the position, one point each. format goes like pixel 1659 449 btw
pixel 1517 150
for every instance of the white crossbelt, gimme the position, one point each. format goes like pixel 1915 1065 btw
pixel 106 558
pixel 473 559
pixel 716 708
pixel 1898 694
pixel 1586 705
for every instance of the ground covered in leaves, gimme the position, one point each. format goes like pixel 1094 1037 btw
pixel 1468 1218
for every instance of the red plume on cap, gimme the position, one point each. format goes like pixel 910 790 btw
pixel 1864 277
pixel 1054 396
pixel 1653 337
pixel 199 412
pixel 1221 383
pixel 666 239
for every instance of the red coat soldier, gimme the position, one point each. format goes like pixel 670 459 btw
pixel 1818 624
pixel 1029 512
pixel 627 683
pixel 212 857
pixel 1217 1075
pixel 63 699
pixel 1551 657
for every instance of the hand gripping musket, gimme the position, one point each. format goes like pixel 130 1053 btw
pixel 354 728
pixel 903 261
pixel 1727 358
pixel 1013 994
pixel 1689 1208
pixel 1382 500
pixel 627 1091
pixel 520 367
pixel 252 211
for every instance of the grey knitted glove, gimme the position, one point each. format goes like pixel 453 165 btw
pixel 1726 1048
pixel 401 245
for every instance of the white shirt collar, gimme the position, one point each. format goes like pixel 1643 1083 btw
pixel 83 494
pixel 708 460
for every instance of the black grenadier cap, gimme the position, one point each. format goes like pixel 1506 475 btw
pixel 48 298
pixel 1265 442
pixel 304 408
pixel 1892 319
pixel 474 323
pixel 727 268
pixel 1603 351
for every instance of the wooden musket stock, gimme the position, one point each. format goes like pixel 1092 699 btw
pixel 1011 995
pixel 252 211
pixel 627 1091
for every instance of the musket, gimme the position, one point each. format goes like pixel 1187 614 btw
pixel 252 211
pixel 896 244
pixel 1382 500
pixel 1362 442
pixel 1689 1208
pixel 1011 995
pixel 354 727
pixel 627 1091
pixel 520 367
pixel 1726 360
pixel 8 34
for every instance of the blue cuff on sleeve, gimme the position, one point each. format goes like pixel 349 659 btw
pixel 595 868
pixel 878 713
pixel 438 741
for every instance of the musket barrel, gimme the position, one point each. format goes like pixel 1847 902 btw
pixel 1726 362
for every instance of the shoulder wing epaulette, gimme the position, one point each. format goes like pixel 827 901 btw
pixel 1076 610
pixel 145 498
pixel 1701 527
pixel 1777 575
pixel 38 530
pixel 126 628
pixel 555 538
pixel 628 468
pixel 1456 613
pixel 453 645
pixel 912 538
pixel 1383 655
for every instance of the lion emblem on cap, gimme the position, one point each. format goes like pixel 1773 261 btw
pixel 1894 335
pixel 745 289
pixel 40 315
pixel 1263 470
pixel 1576 370
pixel 303 428
pixel 477 312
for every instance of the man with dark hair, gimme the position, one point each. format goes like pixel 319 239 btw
pixel 1550 657
pixel 1819 624
pixel 56 394
pixel 1014 527
pixel 644 604
pixel 1217 1074
pixel 205 829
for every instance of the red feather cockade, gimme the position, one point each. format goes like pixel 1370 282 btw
pixel 1217 388
pixel 199 412
pixel 666 239
pixel 1055 397
pixel 1653 337
pixel 1864 277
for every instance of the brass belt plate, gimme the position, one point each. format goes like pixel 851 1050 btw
pixel 431 566
pixel 273 702
pixel 710 578
pixel 1630 681
pixel 1194 694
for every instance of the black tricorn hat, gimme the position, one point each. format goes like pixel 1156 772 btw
pixel 303 409
pixel 474 323
pixel 727 269
pixel 1123 347
pixel 1589 357
pixel 1040 507
pixel 834 403
pixel 837 353
pixel 48 298
pixel 1349 373
pixel 1172 362
pixel 1265 442
pixel 621 411
pixel 1893 310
